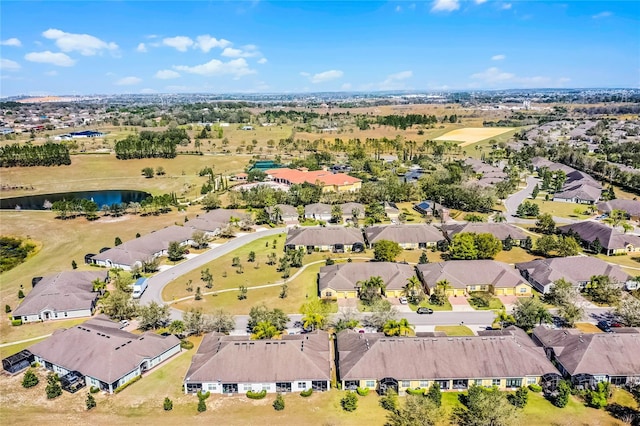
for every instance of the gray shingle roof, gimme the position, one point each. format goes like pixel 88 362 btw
pixel 287 210
pixel 232 359
pixel 317 208
pixel 345 276
pixel 374 356
pixel 574 269
pixel 98 348
pixel 499 230
pixel 404 234
pixel 323 236
pixel 609 354
pixel 461 273
pixel 347 209
pixel 65 291
pixel 609 238
pixel 632 207
pixel 213 220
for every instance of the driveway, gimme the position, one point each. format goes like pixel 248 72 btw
pixel 460 304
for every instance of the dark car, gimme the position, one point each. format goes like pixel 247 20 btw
pixel 604 326
pixel 424 311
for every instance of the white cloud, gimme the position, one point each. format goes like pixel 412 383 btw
pixel 249 52
pixel 128 81
pixel 14 42
pixel 147 91
pixel 394 81
pixel 206 43
pixel 323 77
pixel 601 15
pixel 262 61
pixel 498 57
pixel 47 57
pixel 86 44
pixel 445 5
pixel 141 47
pixel 9 65
pixel 236 68
pixel 346 86
pixel 166 74
pixel 506 6
pixel 51 73
pixel 493 75
pixel 480 1
pixel 180 43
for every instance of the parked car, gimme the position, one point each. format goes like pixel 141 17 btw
pixel 403 300
pixel 604 326
pixel 124 323
pixel 422 310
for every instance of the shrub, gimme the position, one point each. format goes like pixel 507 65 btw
pixel 278 403
pixel 202 406
pixel 20 294
pixel 390 401
pixel 90 401
pixel 167 404
pixel 127 384
pixel 30 379
pixel 520 398
pixel 94 389
pixel 418 391
pixel 7 309
pixel 203 395
pixel 16 322
pixel 306 393
pixel 434 394
pixel 349 402
pixel 53 388
pixel 257 395
pixel 561 398
pixel 535 388
pixel 363 391
pixel 185 344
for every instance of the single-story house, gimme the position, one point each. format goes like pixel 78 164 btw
pixel 579 192
pixel 578 270
pixel 428 208
pixel 612 242
pixel 288 214
pixel 330 182
pixel 392 211
pixel 380 363
pixel 101 354
pixel 587 359
pixel 318 211
pixel 465 276
pixel 348 210
pixel 337 239
pixel 64 295
pixel 631 207
pixel 140 250
pixel 501 231
pixel 214 221
pixel 236 364
pixel 343 281
pixel 407 236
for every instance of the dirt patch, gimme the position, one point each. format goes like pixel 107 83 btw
pixel 471 135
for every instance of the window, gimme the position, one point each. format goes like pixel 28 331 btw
pixel 514 383
pixel 329 294
pixel 370 383
pixel 212 387
pixel 496 382
pixel 246 387
pixel 472 288
pixel 532 380
pixel 477 382
pixel 444 384
pixel 302 385
pixel 424 383
pixel 406 383
pixel 523 289
pixel 266 386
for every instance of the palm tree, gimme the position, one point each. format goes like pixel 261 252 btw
pixel 375 283
pixel 443 286
pixel 265 330
pixel 277 214
pixel 413 289
pixel 499 218
pixel 391 328
pixel 404 327
pixel 503 318
pixel 314 320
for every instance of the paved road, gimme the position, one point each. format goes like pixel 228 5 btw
pixel 514 200
pixel 161 279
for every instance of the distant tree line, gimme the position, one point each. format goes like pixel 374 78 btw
pixel 49 154
pixel 151 144
pixel 405 121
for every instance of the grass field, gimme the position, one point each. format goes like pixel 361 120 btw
pixel 515 255
pixel 455 330
pixel 6 351
pixel 470 135
pixel 425 303
pixel 560 209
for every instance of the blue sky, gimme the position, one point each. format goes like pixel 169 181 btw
pixel 52 47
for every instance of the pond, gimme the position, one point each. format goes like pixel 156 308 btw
pixel 101 198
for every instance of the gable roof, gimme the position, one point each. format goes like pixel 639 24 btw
pixel 323 236
pixel 632 207
pixel 609 238
pixel 294 176
pixel 575 269
pixel 344 276
pixel 286 209
pixel 499 230
pixel 99 349
pixel 404 234
pixel 213 220
pixel 347 209
pixel 374 356
pixel 317 208
pixel 65 291
pixel 462 273
pixel 609 354
pixel 237 359
pixel 579 190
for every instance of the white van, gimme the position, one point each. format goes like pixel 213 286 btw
pixel 139 287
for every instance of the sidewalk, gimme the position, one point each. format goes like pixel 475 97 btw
pixel 460 304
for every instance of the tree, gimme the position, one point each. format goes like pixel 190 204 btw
pixel 463 246
pixel 198 295
pixel 439 296
pixel 561 292
pixel 206 277
pixel 371 289
pixel 175 251
pixel 153 316
pixel 602 289
pixel 160 171
pixel 202 405
pixel 520 398
pixel 210 202
pixel 177 327
pixel 261 312
pixel 349 402
pixel 30 379
pixel 53 389
pixel 148 172
pixel 597 398
pixel 118 305
pixel 278 403
pixel 629 311
pixel 397 328
pixel 423 258
pixel 487 245
pixel 314 314
pixel 389 401
pixel 528 209
pixel 567 246
pixel 530 312
pixel 265 330
pixel 546 244
pixel 220 321
pixel 502 319
pixel 336 214
pixel 545 224
pixel 90 402
pixel 200 239
pixel 347 318
pixel 20 294
pixel 570 313
pixel 381 312
pixel 417 410
pixel 386 251
pixel 117 241
pixel 194 321
pixel 167 405
pixel 252 256
pixel 535 192
pixel 284 291
pixel 483 406
pixel 74 265
pixel 413 290
pixel 242 292
pixel 434 394
pixel 561 397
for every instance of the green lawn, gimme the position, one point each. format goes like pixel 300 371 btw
pixel 560 209
pixel 6 351
pixel 494 304
pixel 425 303
pixel 455 330
pixel 515 255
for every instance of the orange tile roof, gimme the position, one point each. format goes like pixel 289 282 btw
pixel 322 176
